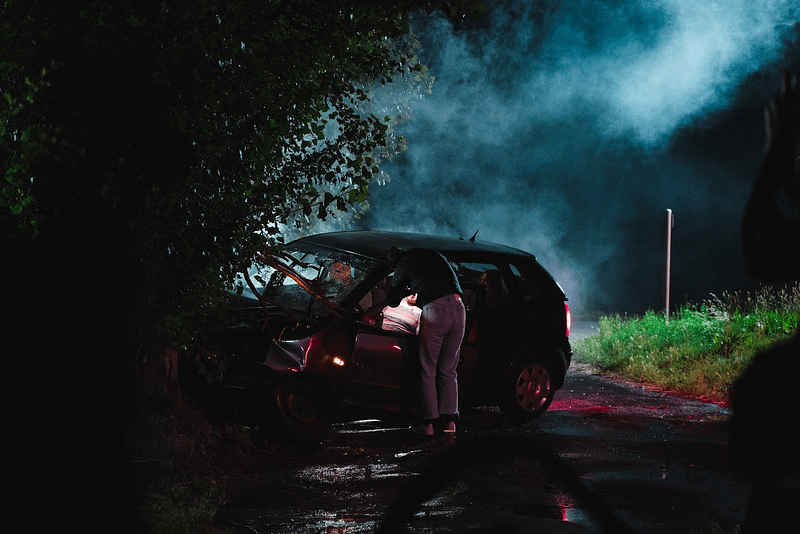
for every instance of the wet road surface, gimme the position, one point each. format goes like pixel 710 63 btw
pixel 606 456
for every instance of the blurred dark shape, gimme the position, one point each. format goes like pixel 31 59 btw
pixel 496 292
pixel 393 256
pixel 771 223
pixel 765 399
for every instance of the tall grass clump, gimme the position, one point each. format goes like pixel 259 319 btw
pixel 703 349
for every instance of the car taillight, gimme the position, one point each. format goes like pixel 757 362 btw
pixel 569 317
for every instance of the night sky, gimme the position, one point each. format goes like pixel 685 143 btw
pixel 568 128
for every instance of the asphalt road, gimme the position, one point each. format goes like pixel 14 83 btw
pixel 607 456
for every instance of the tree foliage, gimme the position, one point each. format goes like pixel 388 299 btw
pixel 186 134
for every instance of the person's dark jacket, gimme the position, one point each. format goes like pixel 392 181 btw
pixel 427 273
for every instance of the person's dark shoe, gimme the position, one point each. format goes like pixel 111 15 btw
pixel 423 429
pixel 449 427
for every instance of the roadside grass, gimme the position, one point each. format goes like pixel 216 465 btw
pixel 703 349
pixel 181 504
pixel 188 497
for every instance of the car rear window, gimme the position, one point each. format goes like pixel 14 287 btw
pixel 488 275
pixel 536 281
pixel 528 289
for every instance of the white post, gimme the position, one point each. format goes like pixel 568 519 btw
pixel 670 224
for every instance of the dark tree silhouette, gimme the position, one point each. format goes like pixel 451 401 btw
pixel 148 151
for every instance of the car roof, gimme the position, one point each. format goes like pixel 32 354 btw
pixel 375 244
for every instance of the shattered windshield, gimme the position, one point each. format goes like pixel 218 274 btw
pixel 332 274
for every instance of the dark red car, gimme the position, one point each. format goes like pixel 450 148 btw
pixel 325 346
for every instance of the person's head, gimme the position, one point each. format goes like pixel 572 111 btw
pixel 491 279
pixel 341 272
pixel 393 256
pixel 493 283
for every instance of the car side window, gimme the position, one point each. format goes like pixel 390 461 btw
pixel 375 296
pixel 491 278
pixel 527 289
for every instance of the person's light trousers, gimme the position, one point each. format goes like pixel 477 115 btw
pixel 440 334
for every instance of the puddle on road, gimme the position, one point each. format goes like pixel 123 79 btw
pixel 439 507
pixel 558 507
pixel 340 524
pixel 365 426
pixel 369 430
pixel 409 453
pixel 362 425
pixel 352 473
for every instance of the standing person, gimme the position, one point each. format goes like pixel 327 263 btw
pixel 428 274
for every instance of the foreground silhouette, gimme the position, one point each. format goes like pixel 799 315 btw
pixel 766 398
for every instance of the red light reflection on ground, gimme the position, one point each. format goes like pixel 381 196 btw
pixel 579 405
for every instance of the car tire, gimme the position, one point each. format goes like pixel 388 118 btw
pixel 299 414
pixel 527 389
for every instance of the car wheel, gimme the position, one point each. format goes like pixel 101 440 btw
pixel 527 389
pixel 300 414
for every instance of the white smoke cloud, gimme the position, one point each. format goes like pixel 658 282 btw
pixel 550 128
pixel 705 50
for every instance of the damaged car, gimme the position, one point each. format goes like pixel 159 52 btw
pixel 315 335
